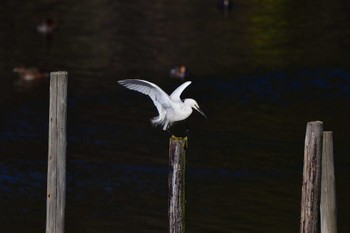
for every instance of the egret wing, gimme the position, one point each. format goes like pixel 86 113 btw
pixel 160 99
pixel 175 96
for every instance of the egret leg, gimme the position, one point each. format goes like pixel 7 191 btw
pixel 167 128
pixel 187 127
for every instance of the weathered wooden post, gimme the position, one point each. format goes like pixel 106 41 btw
pixel 176 184
pixel 311 178
pixel 56 177
pixel 328 206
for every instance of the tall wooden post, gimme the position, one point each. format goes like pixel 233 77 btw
pixel 328 197
pixel 56 177
pixel 176 184
pixel 311 178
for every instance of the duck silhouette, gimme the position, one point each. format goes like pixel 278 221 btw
pixel 47 27
pixel 180 72
pixel 29 74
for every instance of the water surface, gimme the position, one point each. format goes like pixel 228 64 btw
pixel 259 73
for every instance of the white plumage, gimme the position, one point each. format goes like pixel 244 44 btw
pixel 170 108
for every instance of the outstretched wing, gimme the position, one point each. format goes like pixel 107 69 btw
pixel 160 99
pixel 175 96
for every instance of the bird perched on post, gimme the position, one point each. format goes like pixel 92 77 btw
pixel 170 108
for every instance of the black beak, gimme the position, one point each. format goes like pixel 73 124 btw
pixel 201 112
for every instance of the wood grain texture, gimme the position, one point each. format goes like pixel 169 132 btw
pixel 328 206
pixel 311 178
pixel 176 184
pixel 56 177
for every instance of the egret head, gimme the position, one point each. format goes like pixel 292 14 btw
pixel 194 105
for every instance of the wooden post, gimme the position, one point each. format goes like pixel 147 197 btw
pixel 311 178
pixel 56 177
pixel 328 200
pixel 176 184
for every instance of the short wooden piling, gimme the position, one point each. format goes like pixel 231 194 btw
pixel 311 178
pixel 56 177
pixel 176 184
pixel 328 206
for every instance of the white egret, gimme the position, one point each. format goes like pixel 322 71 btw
pixel 170 108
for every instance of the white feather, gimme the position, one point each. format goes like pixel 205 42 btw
pixel 170 108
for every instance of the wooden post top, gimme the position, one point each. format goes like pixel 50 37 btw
pixel 180 140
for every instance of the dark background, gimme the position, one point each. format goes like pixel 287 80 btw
pixel 260 72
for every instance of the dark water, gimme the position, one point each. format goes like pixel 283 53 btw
pixel 259 73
